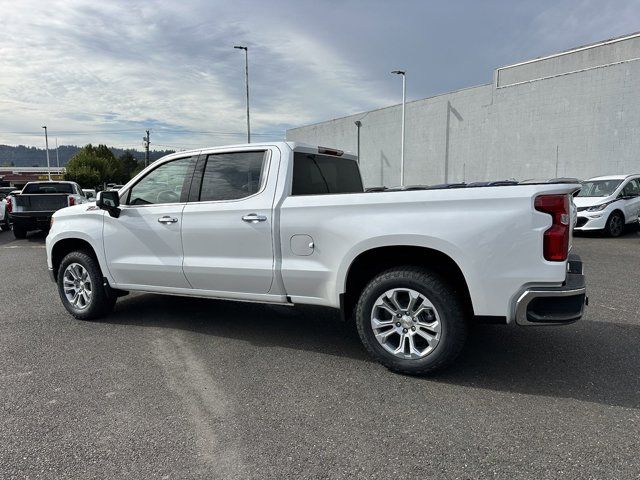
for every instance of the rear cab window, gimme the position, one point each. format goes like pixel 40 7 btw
pixel 317 174
pixel 35 188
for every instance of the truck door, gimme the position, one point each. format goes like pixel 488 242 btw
pixel 227 228
pixel 632 204
pixel 143 245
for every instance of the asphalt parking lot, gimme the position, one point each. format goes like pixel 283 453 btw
pixel 178 388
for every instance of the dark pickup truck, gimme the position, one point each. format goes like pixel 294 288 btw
pixel 33 208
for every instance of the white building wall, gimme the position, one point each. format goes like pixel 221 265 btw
pixel 579 113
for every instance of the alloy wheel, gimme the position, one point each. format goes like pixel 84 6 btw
pixel 405 323
pixel 77 286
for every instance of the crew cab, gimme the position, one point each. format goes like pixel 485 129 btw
pixel 608 203
pixel 33 208
pixel 286 223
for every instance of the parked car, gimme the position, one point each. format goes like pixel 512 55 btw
pixel 608 203
pixel 33 208
pixel 4 214
pixel 287 223
pixel 89 193
pixel 7 205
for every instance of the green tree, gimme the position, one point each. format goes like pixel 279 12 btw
pixel 93 166
pixel 130 166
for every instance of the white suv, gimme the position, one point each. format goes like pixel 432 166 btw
pixel 608 203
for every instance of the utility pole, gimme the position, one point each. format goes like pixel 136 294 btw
pixel 404 100
pixel 46 142
pixel 246 79
pixel 146 149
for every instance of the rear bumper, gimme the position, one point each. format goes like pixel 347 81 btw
pixel 554 305
pixel 30 220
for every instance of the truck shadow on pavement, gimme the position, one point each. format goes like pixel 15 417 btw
pixel 589 361
pixel 37 237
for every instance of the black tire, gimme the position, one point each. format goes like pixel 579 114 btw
pixel 615 225
pixel 5 226
pixel 19 232
pixel 101 302
pixel 447 303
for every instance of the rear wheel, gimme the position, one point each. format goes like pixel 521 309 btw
pixel 615 225
pixel 19 231
pixel 5 225
pixel 81 287
pixel 411 321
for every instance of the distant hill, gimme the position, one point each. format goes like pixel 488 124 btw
pixel 23 156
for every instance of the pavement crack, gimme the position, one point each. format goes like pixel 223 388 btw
pixel 204 402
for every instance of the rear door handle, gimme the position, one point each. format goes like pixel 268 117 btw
pixel 254 218
pixel 166 219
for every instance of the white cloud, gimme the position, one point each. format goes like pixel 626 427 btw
pixel 79 66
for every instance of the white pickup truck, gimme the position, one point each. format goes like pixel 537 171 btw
pixel 286 223
pixel 34 207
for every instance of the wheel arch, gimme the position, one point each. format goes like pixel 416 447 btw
pixel 67 245
pixel 618 210
pixel 371 262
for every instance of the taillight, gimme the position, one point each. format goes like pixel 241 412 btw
pixel 72 201
pixel 556 238
pixel 9 205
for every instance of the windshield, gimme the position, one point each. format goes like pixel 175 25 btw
pixel 48 188
pixel 599 188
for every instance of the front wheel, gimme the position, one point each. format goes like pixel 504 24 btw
pixel 615 225
pixel 411 320
pixel 81 287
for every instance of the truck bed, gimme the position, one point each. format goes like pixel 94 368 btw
pixel 47 202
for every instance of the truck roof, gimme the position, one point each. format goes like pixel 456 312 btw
pixel 612 177
pixel 296 146
pixel 50 181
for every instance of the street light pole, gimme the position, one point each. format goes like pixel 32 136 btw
pixel 358 125
pixel 246 78
pixel 57 157
pixel 404 100
pixel 46 142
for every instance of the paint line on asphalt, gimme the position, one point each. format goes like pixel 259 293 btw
pixel 24 246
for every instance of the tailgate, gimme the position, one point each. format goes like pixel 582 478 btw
pixel 44 202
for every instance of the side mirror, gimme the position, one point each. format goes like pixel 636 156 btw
pixel 109 200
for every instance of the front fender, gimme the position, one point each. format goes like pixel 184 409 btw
pixel 87 228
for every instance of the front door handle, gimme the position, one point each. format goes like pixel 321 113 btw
pixel 166 220
pixel 254 218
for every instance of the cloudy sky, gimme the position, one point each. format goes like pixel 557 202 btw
pixel 104 71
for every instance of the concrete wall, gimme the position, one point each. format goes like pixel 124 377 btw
pixel 576 112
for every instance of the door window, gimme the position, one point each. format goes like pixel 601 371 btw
pixel 632 188
pixel 231 176
pixel 169 183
